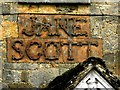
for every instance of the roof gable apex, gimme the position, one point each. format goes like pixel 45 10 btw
pixel 71 78
pixel 93 80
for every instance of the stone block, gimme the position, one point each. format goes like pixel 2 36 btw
pixel 42 76
pixel 53 9
pixel 21 66
pixel 83 9
pixel 103 9
pixel 118 62
pixel 66 8
pixel 119 7
pixel 10 76
pixel 0 75
pixel 3 86
pixel 1 55
pixel 106 27
pixel 110 62
pixel 0 8
pixel 1 27
pixel 3 49
pixel 3 1
pixel 31 8
pixel 105 1
pixel 13 8
pixel 6 8
pixel 73 9
pixel 119 43
pixel 1 64
pixel 67 65
pixel 109 57
pixel 47 65
pixel 23 86
pixel 48 1
pixel 24 76
pixel 9 26
pixel 62 70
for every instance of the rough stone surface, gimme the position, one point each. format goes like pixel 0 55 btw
pixel 1 66
pixel 118 53
pixel 9 26
pixel 1 28
pixel 3 49
pixel 53 9
pixel 63 70
pixel 0 8
pixel 104 8
pixel 21 85
pixel 8 8
pixel 24 76
pixel 1 55
pixel 13 8
pixel 36 9
pixel 42 76
pixel 67 65
pixel 21 66
pixel 0 76
pixel 48 1
pixel 5 8
pixel 11 76
pixel 105 27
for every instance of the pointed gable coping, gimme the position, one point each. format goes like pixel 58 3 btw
pixel 93 80
pixel 70 79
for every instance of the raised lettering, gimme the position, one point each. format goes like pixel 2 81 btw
pixel 32 23
pixel 33 56
pixel 54 52
pixel 18 50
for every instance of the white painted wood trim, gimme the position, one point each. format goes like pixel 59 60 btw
pixel 94 80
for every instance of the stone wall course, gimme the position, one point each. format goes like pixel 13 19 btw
pixel 8 26
pixel 106 27
pixel 104 8
pixel 42 76
pixel 104 23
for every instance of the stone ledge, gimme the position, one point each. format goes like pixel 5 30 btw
pixel 60 1
pixel 48 1
pixel 20 85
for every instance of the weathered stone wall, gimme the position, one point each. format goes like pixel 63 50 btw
pixel 104 23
